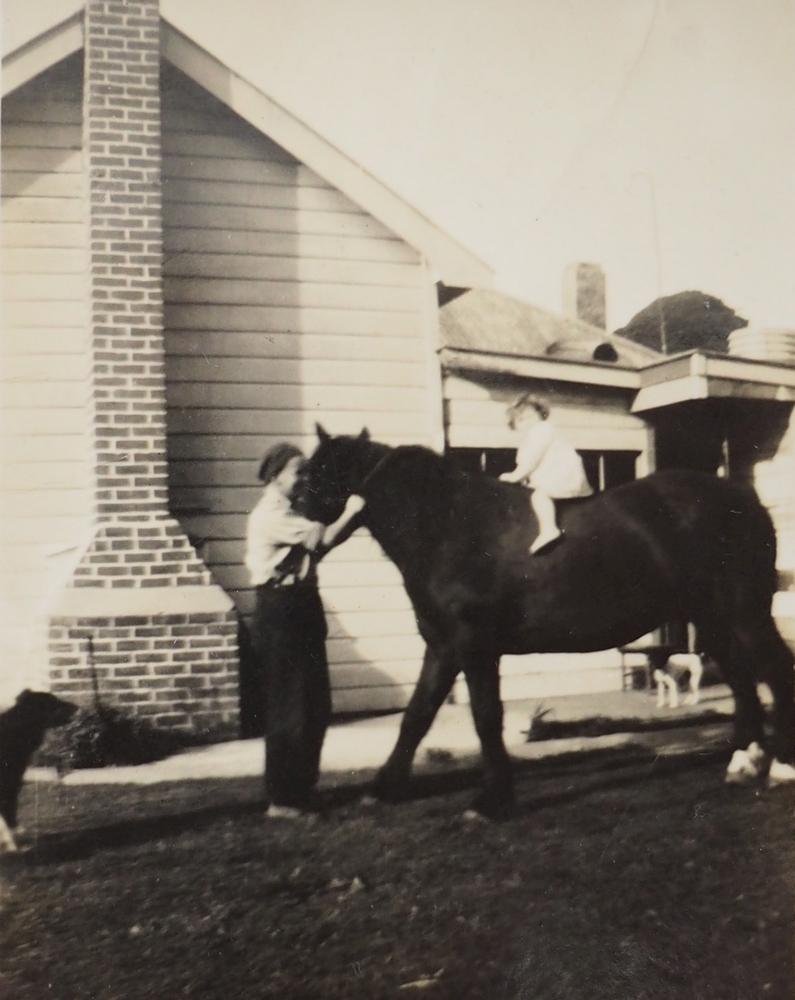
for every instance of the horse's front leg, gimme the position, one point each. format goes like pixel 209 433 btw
pixel 496 800
pixel 434 684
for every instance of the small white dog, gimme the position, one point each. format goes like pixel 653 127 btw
pixel 668 676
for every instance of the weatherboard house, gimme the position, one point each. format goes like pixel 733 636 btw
pixel 190 274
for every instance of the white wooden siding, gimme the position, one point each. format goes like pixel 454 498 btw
pixel 45 470
pixel 285 304
pixel 592 418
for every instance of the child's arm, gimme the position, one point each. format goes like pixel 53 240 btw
pixel 530 453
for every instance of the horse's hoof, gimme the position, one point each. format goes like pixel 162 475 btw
pixel 744 766
pixel 780 774
pixel 494 809
pixel 387 789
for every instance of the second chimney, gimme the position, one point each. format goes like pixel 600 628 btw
pixel 584 294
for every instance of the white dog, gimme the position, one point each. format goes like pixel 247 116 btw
pixel 668 676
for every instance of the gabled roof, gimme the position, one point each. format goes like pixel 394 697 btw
pixel 448 260
pixel 504 333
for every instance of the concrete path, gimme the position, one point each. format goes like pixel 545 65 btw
pixel 366 743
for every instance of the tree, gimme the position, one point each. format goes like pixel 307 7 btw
pixel 683 322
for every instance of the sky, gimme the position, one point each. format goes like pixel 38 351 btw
pixel 655 137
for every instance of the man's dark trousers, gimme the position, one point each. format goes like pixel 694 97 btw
pixel 289 633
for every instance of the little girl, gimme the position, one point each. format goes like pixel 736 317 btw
pixel 546 463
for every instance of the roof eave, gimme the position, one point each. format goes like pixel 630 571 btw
pixel 698 374
pixel 451 262
pixel 41 52
pixel 447 259
pixel 559 370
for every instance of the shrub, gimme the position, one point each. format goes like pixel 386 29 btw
pixel 104 736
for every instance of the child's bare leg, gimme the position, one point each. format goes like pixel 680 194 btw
pixel 544 509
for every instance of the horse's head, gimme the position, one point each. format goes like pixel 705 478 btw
pixel 337 468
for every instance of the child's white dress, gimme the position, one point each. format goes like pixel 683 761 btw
pixel 554 466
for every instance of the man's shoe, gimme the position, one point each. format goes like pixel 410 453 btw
pixel 283 812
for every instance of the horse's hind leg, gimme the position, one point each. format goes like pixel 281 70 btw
pixel 434 684
pixel 483 679
pixel 736 649
pixel 777 672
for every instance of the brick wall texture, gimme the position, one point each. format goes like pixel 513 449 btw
pixel 177 670
pixel 121 123
pixel 180 669
pixel 151 553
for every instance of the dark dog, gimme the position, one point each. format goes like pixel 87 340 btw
pixel 22 730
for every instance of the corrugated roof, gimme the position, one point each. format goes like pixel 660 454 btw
pixel 495 323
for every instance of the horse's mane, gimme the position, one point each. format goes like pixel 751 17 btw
pixel 440 476
pixel 441 489
pixel 431 463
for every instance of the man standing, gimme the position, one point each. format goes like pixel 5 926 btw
pixel 289 631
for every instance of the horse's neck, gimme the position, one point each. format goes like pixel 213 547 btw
pixel 399 516
pixel 371 460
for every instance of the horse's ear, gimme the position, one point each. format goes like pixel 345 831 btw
pixel 322 433
pixel 365 435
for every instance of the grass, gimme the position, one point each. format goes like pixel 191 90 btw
pixel 621 876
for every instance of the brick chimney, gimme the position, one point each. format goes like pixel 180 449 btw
pixel 164 635
pixel 584 294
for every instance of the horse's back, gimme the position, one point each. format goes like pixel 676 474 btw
pixel 704 525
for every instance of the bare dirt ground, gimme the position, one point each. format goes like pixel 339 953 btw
pixel 621 876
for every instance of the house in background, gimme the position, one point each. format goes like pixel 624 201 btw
pixel 628 410
pixel 495 347
pixel 190 274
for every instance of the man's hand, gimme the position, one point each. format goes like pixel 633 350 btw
pixel 353 505
pixel 338 532
pixel 314 537
pixel 508 477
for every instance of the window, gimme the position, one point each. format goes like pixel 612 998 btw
pixel 492 461
pixel 606 469
pixel 603 468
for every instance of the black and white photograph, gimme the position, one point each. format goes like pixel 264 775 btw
pixel 397 500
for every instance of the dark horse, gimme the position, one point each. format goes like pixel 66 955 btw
pixel 675 545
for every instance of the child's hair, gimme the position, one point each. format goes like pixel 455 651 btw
pixel 527 401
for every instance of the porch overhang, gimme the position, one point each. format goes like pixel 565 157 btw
pixel 455 360
pixel 699 375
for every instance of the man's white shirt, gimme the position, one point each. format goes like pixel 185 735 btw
pixel 273 529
